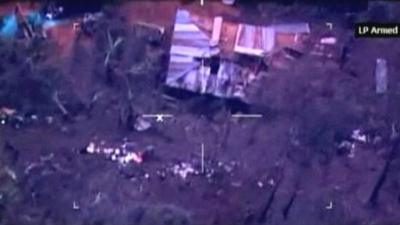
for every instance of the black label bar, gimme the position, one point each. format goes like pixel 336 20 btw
pixel 377 30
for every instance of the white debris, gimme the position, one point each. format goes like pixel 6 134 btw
pixel 132 156
pixel 11 173
pixel 228 168
pixel 120 154
pixel 328 40
pixel 345 144
pixel 91 148
pixel 183 169
pixel 352 151
pixel 358 136
pixel 350 146
pixel 117 151
pixel 260 184
pixel 271 182
pixel 108 151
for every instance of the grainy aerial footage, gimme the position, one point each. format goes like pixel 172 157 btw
pixel 199 112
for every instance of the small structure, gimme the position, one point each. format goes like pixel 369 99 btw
pixel 209 61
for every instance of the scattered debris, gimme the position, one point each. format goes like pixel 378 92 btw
pixel 122 154
pixel 328 41
pixel 228 167
pixel 91 148
pixel 183 169
pixel 323 50
pixel 132 156
pixel 358 136
pixel 381 76
pixel 348 147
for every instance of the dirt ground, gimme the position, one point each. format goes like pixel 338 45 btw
pixel 285 168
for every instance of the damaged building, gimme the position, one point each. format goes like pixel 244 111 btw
pixel 225 58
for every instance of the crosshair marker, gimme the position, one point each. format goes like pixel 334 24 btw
pixel 159 117
pixel 247 116
pixel 202 157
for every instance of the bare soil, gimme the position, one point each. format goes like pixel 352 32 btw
pixel 283 168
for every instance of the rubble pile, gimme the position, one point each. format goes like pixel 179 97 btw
pixel 183 170
pixel 123 154
pixel 211 170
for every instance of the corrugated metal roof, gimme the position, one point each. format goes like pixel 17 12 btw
pixel 291 28
pixel 189 44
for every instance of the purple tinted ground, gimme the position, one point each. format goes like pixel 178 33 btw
pixel 282 169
